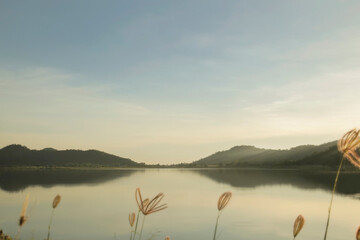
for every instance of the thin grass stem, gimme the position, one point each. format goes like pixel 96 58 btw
pixel 142 226
pixel 332 196
pixel 216 225
pixel 136 224
pixel 50 222
pixel 18 233
pixel 131 233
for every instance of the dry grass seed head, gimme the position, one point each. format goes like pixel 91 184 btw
pixel 139 199
pixel 132 219
pixel 353 157
pixel 146 206
pixel 357 234
pixel 349 144
pixel 56 201
pixel 350 141
pixel 224 200
pixel 3 236
pixel 145 202
pixel 140 202
pixel 298 225
pixel 23 216
pixel 153 207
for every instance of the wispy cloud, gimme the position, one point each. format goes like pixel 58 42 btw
pixel 180 80
pixel 48 109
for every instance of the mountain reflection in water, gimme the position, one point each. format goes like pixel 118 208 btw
pixel 305 179
pixel 12 180
pixel 96 202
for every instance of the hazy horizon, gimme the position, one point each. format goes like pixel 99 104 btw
pixel 170 82
pixel 169 162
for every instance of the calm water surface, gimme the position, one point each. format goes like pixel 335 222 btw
pixel 96 203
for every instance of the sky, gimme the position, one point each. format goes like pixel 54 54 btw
pixel 175 81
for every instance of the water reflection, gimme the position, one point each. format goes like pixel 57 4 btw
pixel 250 178
pixel 15 180
pixel 264 203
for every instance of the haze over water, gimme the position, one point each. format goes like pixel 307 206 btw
pixel 96 203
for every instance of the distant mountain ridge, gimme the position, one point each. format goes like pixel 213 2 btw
pixel 17 155
pixel 324 155
pixel 249 156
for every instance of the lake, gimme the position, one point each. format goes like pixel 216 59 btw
pixel 95 203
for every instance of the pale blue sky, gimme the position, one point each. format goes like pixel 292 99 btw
pixel 174 81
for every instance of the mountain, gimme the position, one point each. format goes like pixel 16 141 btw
pixel 17 155
pixel 250 156
pixel 324 155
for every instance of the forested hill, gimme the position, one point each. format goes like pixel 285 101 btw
pixel 250 156
pixel 17 155
pixel 325 155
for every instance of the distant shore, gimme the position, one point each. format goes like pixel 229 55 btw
pixel 348 169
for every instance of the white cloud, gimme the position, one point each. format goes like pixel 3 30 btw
pixel 326 103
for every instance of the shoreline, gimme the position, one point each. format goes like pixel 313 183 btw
pixel 302 168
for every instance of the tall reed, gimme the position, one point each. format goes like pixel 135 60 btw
pixel 23 217
pixel 148 207
pixel 144 203
pixel 298 225
pixel 222 202
pixel 131 221
pixel 55 203
pixel 348 146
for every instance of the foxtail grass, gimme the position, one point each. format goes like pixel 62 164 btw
pixel 131 222
pixel 23 217
pixel 147 207
pixel 55 203
pixel 136 224
pixel 298 225
pixel 348 146
pixel 222 202
pixel 144 203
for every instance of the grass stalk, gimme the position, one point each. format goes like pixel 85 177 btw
pixel 50 222
pixel 142 226
pixel 216 225
pixel 18 233
pixel 136 224
pixel 332 196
